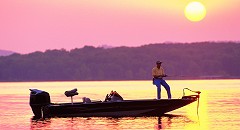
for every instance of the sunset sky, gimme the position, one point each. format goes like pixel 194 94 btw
pixel 37 25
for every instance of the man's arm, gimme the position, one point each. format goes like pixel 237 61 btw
pixel 154 74
pixel 159 76
pixel 163 73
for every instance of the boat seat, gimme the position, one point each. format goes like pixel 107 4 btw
pixel 71 93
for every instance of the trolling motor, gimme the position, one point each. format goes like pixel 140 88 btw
pixel 194 97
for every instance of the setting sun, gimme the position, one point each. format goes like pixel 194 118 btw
pixel 195 11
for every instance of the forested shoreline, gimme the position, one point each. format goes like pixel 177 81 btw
pixel 181 61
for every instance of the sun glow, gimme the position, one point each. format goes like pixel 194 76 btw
pixel 195 11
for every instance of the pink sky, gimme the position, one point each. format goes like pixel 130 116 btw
pixel 37 25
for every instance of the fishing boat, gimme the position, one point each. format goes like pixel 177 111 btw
pixel 113 105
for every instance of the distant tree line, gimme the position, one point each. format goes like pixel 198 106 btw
pixel 181 61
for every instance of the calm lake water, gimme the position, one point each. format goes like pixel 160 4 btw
pixel 219 105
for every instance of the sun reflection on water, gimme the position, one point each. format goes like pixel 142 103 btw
pixel 198 115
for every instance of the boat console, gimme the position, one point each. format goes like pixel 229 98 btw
pixel 113 97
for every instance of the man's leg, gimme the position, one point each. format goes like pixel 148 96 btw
pixel 166 86
pixel 157 82
pixel 159 92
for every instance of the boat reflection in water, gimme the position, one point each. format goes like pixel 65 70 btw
pixel 113 106
pixel 166 121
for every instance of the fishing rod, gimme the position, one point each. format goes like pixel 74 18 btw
pixel 194 77
pixel 173 76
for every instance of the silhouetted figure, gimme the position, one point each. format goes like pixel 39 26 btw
pixel 158 74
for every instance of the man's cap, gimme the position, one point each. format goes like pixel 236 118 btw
pixel 158 62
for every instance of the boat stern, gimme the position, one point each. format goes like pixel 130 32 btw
pixel 38 99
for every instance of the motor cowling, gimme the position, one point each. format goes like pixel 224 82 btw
pixel 38 99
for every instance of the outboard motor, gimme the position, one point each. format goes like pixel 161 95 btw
pixel 38 99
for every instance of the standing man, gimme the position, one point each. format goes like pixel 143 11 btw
pixel 158 74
